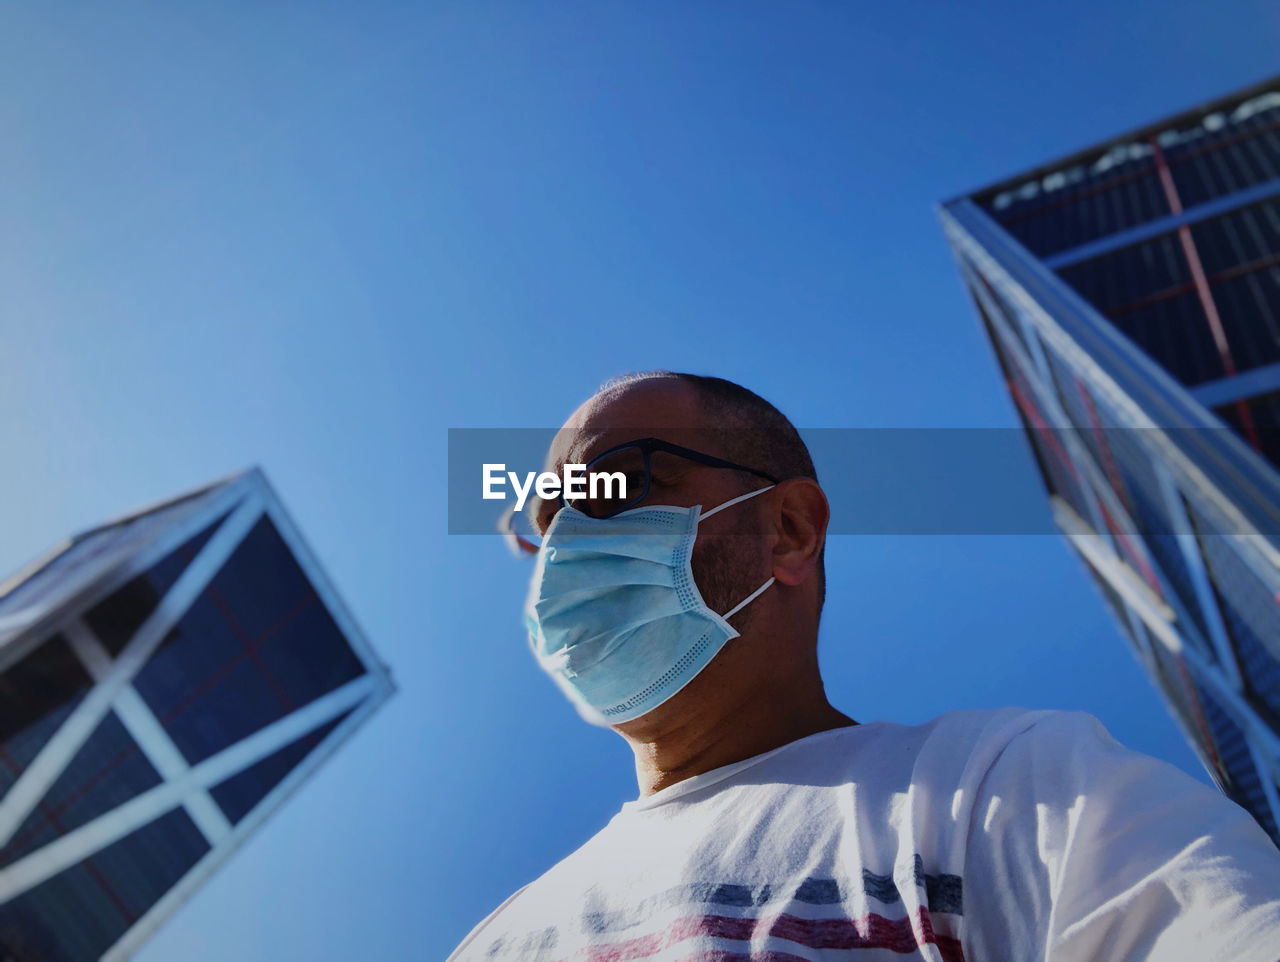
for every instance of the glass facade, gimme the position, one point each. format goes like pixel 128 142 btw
pixel 164 681
pixel 1131 294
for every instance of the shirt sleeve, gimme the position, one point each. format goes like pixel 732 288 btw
pixel 469 946
pixel 1080 850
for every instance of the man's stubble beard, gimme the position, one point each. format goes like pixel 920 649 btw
pixel 724 572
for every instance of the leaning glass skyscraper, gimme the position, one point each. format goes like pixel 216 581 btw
pixel 1131 293
pixel 167 680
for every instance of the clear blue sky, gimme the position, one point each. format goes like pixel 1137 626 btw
pixel 315 236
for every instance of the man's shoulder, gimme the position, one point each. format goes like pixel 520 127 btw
pixel 1019 764
pixel 1012 737
pixel 953 750
pixel 989 732
pixel 969 735
pixel 960 748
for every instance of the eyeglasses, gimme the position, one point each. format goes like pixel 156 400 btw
pixel 632 463
pixel 620 478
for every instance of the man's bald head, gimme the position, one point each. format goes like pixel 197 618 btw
pixel 751 429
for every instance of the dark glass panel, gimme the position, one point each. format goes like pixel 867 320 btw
pixel 1177 336
pixel 152 860
pixel 80 913
pixel 1119 187
pixel 1231 415
pixel 36 696
pixel 1251 614
pixel 1223 161
pixel 108 770
pixel 256 645
pixel 1120 279
pixel 1127 195
pixel 1244 784
pixel 240 793
pixel 202 719
pixel 1239 238
pixel 1249 307
pixel 1147 291
pixel 115 619
pixel 308 655
pixel 1265 413
pixel 1265 410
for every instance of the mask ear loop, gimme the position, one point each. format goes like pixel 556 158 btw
pixel 759 591
pixel 747 600
pixel 732 501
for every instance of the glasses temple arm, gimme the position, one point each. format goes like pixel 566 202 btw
pixel 517 543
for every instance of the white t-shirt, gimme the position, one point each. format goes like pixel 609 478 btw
pixel 980 836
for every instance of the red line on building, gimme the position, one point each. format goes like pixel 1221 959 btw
pixel 1202 290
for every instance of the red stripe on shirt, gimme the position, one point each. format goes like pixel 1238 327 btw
pixel 869 932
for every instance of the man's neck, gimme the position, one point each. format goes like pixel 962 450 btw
pixel 700 743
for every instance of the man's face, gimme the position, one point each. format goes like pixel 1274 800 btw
pixel 730 560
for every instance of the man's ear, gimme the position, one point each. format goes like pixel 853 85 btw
pixel 800 527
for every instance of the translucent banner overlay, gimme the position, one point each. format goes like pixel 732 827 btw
pixel 927 481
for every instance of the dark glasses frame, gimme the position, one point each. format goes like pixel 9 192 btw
pixel 649 445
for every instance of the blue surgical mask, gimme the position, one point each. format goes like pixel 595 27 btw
pixel 613 613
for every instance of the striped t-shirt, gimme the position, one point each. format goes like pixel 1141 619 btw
pixel 980 836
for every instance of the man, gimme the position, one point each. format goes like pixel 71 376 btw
pixel 770 825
